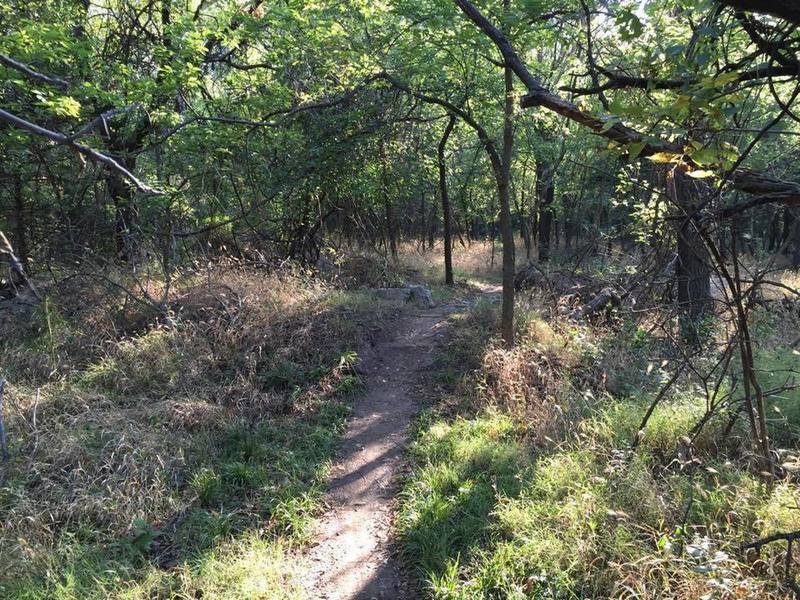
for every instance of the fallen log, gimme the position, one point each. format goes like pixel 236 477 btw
pixel 557 283
pixel 607 298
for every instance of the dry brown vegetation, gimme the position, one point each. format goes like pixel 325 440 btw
pixel 132 428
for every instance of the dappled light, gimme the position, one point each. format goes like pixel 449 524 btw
pixel 399 300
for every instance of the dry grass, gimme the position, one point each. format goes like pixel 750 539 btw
pixel 481 260
pixel 109 427
pixel 527 381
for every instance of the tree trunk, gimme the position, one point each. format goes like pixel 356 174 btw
pixel 507 318
pixel 125 219
pixel 790 236
pixel 788 222
pixel 774 232
pixel 546 195
pixel 446 213
pixel 524 226
pixel 693 272
pixel 432 225
pixel 423 228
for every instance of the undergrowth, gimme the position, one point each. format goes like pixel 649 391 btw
pixel 530 478
pixel 181 457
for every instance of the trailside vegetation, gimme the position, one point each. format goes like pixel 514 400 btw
pixel 199 199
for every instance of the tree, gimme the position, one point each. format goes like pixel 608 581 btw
pixel 447 214
pixel 687 155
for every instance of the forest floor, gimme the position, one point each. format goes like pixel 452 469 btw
pixel 356 556
pixel 290 438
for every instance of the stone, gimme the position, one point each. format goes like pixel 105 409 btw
pixel 419 294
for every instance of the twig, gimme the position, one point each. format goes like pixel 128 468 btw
pixel 775 537
pixel 101 120
pixel 34 430
pixel 656 400
pixel 90 153
pixel 790 538
pixel 3 440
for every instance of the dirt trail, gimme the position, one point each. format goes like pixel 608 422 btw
pixel 354 557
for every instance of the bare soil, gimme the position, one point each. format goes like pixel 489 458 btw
pixel 355 557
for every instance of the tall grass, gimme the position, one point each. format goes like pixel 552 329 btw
pixel 178 459
pixel 524 483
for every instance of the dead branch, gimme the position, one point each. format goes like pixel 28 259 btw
pixel 607 297
pixel 16 265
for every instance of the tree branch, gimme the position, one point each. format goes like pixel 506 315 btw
pixel 90 153
pixel 789 10
pixel 452 109
pixel 9 62
pixel 741 179
pixel 538 95
pixel 100 120
pixel 618 81
pixel 758 544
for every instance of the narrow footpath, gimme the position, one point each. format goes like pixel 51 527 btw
pixel 355 557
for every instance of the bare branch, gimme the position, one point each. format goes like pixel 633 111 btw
pixel 9 62
pixel 16 265
pixel 90 153
pixel 758 544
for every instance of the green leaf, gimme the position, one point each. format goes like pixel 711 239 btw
pixel 630 25
pixel 635 149
pixel 705 156
pixel 64 106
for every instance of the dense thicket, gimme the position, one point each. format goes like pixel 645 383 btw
pixel 287 127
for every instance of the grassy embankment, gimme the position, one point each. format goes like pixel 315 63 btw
pixel 182 461
pixel 523 483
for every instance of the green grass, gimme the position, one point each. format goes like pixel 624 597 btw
pixel 778 366
pixel 464 467
pixel 491 510
pixel 180 462
pixel 257 492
